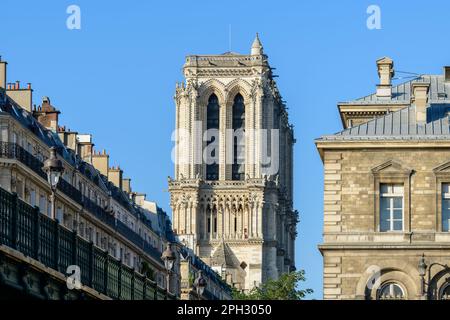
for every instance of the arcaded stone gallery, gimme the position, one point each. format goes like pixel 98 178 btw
pixel 230 206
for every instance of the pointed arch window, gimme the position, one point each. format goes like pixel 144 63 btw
pixel 212 122
pixel 238 167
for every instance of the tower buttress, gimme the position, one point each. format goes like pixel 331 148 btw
pixel 231 196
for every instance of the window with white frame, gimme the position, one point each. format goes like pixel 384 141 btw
pixel 391 207
pixel 445 207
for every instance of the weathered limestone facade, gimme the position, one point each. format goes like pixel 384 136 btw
pixel 247 209
pixel 93 198
pixel 384 199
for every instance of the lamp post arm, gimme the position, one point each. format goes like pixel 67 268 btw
pixel 427 283
pixel 431 266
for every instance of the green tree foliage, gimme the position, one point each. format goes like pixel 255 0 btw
pixel 285 288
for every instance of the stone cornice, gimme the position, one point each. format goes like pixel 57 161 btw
pixel 373 104
pixel 323 145
pixel 383 246
pixel 193 184
pixel 365 110
pixel 238 242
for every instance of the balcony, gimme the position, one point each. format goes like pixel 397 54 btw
pixel 24 229
pixel 10 150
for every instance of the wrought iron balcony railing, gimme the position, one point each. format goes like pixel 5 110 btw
pixel 14 151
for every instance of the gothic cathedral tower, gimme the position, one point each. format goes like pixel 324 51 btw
pixel 231 197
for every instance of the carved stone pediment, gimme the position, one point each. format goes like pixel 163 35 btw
pixel 443 169
pixel 391 168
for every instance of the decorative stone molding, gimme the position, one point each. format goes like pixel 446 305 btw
pixel 392 172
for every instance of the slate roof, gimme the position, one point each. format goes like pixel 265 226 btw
pixel 50 138
pixel 401 124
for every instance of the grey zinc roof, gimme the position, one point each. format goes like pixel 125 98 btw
pixel 401 124
pixel 401 93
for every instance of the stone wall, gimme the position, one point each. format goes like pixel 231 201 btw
pixel 352 242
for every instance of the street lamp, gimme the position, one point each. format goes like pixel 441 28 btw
pixel 53 168
pixel 422 271
pixel 200 284
pixel 423 268
pixel 169 257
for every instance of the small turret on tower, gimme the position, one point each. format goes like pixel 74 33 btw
pixel 257 48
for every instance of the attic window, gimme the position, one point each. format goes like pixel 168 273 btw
pixel 442 95
pixel 243 265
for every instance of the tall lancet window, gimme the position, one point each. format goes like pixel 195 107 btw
pixel 212 143
pixel 238 167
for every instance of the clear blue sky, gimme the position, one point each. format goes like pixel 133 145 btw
pixel 115 78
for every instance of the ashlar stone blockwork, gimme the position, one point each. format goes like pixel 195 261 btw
pixel 251 216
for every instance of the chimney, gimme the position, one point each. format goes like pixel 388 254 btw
pixel 85 148
pixel 47 115
pixel 419 96
pixel 115 176
pixel 100 161
pixel 385 67
pixel 3 74
pixel 126 185
pixel 22 96
pixel 69 138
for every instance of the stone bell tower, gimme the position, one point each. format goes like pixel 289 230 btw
pixel 231 196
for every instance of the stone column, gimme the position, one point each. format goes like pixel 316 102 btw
pixel 259 220
pixel 205 223
pixel 194 229
pixel 251 214
pixel 223 117
pixel 248 220
pixel 221 212
pixel 226 221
